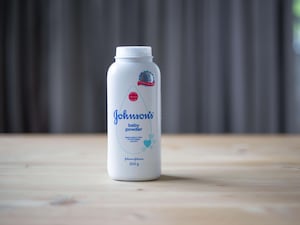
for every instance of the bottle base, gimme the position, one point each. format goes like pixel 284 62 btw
pixel 130 179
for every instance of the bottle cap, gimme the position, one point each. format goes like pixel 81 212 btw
pixel 133 51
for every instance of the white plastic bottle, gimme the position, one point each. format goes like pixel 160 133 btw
pixel 134 115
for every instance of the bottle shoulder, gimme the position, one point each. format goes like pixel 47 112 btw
pixel 156 67
pixel 116 67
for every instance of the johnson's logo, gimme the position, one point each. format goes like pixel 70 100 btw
pixel 131 116
pixel 146 78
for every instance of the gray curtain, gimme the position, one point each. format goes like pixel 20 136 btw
pixel 226 64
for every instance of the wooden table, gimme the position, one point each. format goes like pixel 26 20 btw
pixel 62 179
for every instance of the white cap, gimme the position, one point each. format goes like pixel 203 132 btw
pixel 133 51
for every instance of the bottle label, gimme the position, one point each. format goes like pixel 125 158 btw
pixel 135 119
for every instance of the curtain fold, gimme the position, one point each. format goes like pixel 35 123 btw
pixel 226 65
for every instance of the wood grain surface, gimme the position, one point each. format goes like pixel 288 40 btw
pixel 62 179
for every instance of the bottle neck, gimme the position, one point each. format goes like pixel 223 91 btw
pixel 134 59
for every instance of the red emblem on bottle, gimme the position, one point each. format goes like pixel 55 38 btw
pixel 133 96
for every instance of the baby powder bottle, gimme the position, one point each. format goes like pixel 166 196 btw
pixel 133 115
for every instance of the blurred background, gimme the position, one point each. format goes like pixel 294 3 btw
pixel 228 66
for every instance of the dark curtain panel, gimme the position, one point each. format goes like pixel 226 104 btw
pixel 226 64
